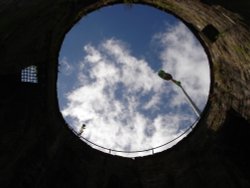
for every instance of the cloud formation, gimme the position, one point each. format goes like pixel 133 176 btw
pixel 121 99
pixel 183 56
pixel 65 67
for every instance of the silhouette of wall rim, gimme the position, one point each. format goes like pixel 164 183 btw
pixel 81 12
pixel 177 8
pixel 50 155
pixel 147 151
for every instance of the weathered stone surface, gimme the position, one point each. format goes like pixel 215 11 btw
pixel 38 150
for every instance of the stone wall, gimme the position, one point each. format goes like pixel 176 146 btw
pixel 38 150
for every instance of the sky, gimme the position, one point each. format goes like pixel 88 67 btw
pixel 108 79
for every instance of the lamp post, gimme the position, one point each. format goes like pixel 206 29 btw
pixel 81 129
pixel 168 77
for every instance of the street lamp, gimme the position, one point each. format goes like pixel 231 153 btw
pixel 168 77
pixel 81 129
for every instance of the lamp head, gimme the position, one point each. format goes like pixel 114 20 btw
pixel 164 75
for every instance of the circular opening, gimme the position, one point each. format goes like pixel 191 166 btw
pixel 109 88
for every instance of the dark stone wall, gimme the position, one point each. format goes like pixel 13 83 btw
pixel 38 150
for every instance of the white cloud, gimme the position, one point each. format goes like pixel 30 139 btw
pixel 186 60
pixel 65 67
pixel 122 100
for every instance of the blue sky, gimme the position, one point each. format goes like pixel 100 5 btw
pixel 108 77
